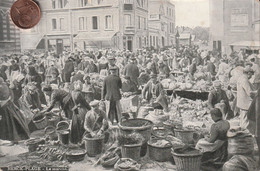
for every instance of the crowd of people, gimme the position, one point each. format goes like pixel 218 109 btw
pixel 88 86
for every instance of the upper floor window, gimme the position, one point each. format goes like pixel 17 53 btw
pixel 139 22
pixel 144 23
pixel 83 3
pixel 128 1
pixel 108 22
pixel 62 24
pixel 81 23
pixel 54 24
pixel 53 4
pixel 60 4
pixel 127 19
pixel 94 23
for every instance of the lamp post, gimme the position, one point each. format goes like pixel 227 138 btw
pixel 177 40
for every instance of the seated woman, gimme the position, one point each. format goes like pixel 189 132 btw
pixel 96 123
pixel 214 147
pixel 153 93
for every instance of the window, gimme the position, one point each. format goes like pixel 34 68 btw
pixel 127 18
pixel 128 1
pixel 162 25
pixel 154 41
pixel 139 22
pixel 8 27
pixel 60 3
pixel 108 20
pixel 144 23
pixel 81 23
pixel 83 3
pixel 94 23
pixel 53 4
pixel 1 28
pixel 151 41
pixel 54 24
pixel 140 42
pixel 62 23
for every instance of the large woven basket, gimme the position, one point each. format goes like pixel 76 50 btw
pixel 187 162
pixel 40 121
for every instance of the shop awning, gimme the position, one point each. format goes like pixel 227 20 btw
pixel 96 39
pixel 247 44
pixel 95 36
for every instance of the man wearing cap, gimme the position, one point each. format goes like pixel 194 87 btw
pixel 111 92
pixel 216 96
pixel 245 93
pixel 112 64
pixel 132 70
pixel 152 89
pixel 68 69
pixel 96 122
pixel 164 70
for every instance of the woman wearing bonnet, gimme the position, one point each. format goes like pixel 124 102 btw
pixel 12 123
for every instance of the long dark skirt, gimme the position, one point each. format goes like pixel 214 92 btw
pixel 12 124
pixel 77 129
pixel 215 159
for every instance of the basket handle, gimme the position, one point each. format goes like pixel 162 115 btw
pixel 48 127
pixel 154 126
pixel 123 118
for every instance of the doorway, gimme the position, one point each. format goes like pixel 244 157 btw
pixel 129 45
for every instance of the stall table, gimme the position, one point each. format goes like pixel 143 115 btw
pixel 189 94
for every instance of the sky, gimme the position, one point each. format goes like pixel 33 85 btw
pixel 192 13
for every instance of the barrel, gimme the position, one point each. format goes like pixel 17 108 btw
pixel 131 151
pixel 63 136
pixel 94 146
pixel 240 145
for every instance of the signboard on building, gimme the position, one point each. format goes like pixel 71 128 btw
pixel 239 17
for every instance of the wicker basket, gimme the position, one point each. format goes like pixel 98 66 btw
pixel 110 162
pixel 62 126
pixel 160 154
pixel 141 126
pixel 94 146
pixel 40 121
pixel 187 162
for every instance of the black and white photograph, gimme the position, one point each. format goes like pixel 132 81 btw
pixel 129 85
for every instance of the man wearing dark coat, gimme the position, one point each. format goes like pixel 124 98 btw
pixel 112 64
pixel 132 70
pixel 111 92
pixel 68 69
pixel 216 96
pixel 59 96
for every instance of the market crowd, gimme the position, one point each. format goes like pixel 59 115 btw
pixel 87 87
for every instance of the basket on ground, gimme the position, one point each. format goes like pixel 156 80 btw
pixel 187 162
pixel 132 151
pixel 159 153
pixel 141 126
pixel 40 121
pixel 94 146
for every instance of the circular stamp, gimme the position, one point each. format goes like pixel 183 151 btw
pixel 25 13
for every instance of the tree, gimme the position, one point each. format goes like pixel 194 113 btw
pixel 201 33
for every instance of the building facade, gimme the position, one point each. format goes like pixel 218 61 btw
pixel 90 24
pixel 9 34
pixel 234 24
pixel 161 23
